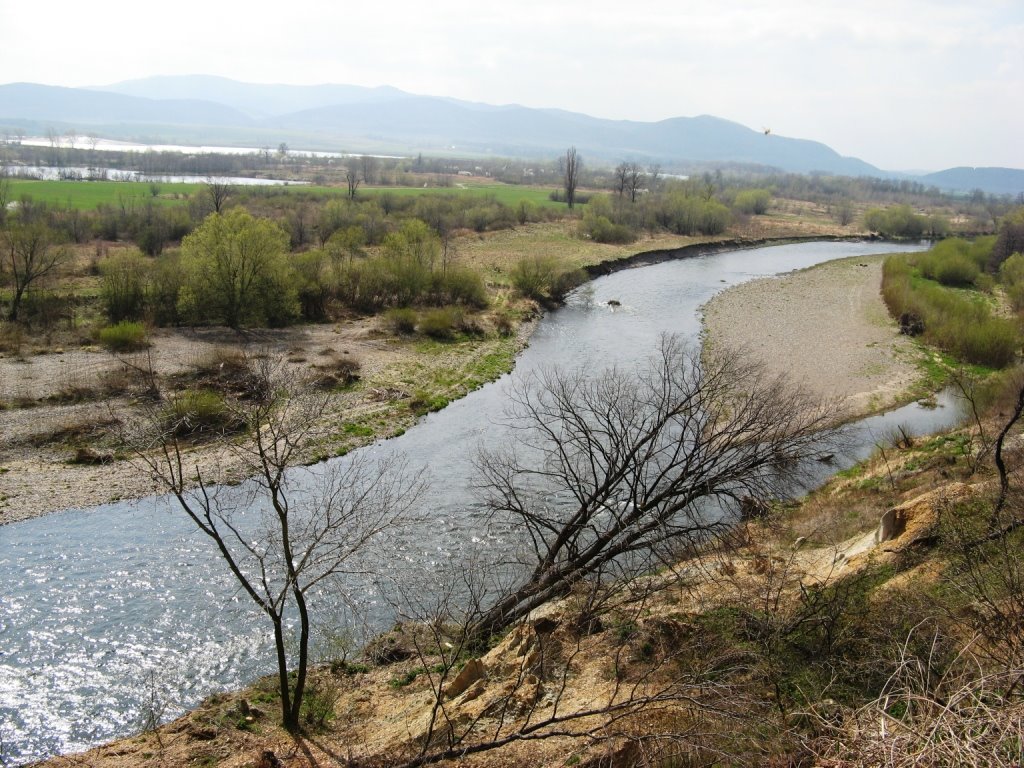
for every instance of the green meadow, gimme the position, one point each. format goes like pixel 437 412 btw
pixel 88 195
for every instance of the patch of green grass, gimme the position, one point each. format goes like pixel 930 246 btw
pixel 407 679
pixel 353 429
pixel 509 194
pixel 423 402
pixel 88 195
pixel 125 336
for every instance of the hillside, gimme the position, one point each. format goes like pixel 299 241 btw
pixel 326 116
pixel 205 109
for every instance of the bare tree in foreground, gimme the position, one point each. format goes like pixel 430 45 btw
pixel 280 540
pixel 614 474
pixel 633 688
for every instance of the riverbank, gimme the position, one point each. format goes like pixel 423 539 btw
pixel 826 327
pixel 60 449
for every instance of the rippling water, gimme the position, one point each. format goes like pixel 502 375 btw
pixel 103 610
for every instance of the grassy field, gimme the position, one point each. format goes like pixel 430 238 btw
pixel 508 194
pixel 88 195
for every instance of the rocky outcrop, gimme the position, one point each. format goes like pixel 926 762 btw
pixel 916 520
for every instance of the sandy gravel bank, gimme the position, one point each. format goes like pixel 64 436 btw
pixel 39 432
pixel 825 326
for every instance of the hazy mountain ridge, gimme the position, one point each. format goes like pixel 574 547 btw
pixel 333 115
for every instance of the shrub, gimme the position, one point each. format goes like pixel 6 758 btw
pixel 458 285
pixel 236 272
pixel 441 323
pixel 601 230
pixel 126 336
pixel 164 290
pixel 532 276
pixel 402 320
pixel 504 324
pixel 960 324
pixel 897 221
pixel 195 411
pixel 565 282
pixel 755 201
pixel 341 371
pixel 1011 274
pixel 123 286
pixel 319 702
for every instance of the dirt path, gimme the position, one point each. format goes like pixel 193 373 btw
pixel 826 326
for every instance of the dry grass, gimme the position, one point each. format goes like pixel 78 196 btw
pixel 970 718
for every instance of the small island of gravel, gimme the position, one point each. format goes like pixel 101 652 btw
pixel 826 327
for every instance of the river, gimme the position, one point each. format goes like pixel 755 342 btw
pixel 84 173
pixel 103 609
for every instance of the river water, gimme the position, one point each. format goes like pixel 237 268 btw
pixel 104 610
pixel 84 173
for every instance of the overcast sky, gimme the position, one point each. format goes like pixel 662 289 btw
pixel 902 84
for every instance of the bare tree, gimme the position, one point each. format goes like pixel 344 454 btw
pixel 30 252
pixel 280 541
pixel 368 168
pixel 655 173
pixel 621 178
pixel 54 156
pixel 634 180
pixel 610 475
pixel 529 687
pixel 352 178
pixel 219 192
pixel 571 175
pixel 628 177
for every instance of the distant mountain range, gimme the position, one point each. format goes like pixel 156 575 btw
pixel 204 109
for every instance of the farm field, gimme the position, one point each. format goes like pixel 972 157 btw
pixel 89 195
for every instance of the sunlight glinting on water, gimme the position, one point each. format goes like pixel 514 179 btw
pixel 105 611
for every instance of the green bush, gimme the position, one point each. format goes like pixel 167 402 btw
pixel 402 320
pixel 685 214
pixel 601 230
pixel 754 201
pixel 458 285
pixel 565 282
pixel 532 276
pixel 955 321
pixel 319 702
pixel 441 323
pixel 195 411
pixel 126 336
pixel 123 286
pixel 897 221
pixel 236 272
pixel 1011 275
pixel 164 289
